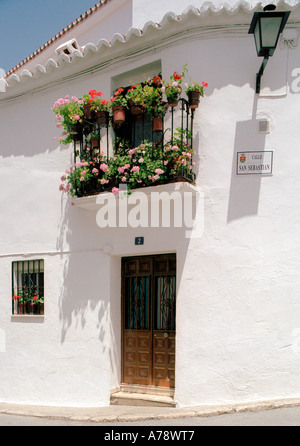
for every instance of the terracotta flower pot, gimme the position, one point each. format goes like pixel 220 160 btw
pixel 136 109
pixel 102 117
pixel 88 112
pixel 194 99
pixel 76 132
pixel 21 309
pixel 157 124
pixel 119 115
pixel 172 102
pixel 95 142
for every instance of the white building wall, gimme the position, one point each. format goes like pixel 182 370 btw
pixel 238 283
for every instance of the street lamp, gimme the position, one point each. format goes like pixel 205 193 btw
pixel 266 27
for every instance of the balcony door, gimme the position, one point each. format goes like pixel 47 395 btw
pixel 148 319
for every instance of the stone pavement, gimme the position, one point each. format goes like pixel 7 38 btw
pixel 116 413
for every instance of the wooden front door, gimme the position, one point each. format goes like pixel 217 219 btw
pixel 149 315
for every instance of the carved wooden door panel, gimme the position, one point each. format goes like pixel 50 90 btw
pixel 149 316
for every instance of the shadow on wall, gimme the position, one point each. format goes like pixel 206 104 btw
pixel 245 189
pixel 85 288
pixel 84 297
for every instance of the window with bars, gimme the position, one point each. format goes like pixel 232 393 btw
pixel 28 287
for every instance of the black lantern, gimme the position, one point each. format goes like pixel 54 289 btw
pixel 266 27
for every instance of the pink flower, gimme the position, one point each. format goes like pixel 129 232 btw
pixel 135 169
pixel 131 151
pixel 123 179
pixel 104 167
pixel 103 181
pixel 95 170
pixel 81 179
pixel 115 190
pixel 159 171
pixel 54 139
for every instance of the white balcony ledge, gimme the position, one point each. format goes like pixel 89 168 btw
pixel 90 202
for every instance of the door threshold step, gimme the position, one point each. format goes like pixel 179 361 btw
pixel 122 398
pixel 149 390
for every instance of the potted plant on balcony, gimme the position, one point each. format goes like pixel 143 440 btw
pixel 119 105
pixel 193 92
pixel 136 97
pixel 93 140
pixel 135 167
pixel 69 116
pixel 89 113
pixel 178 155
pixel 173 87
pixel 155 107
pixel 100 107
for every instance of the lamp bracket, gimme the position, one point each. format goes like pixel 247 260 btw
pixel 261 72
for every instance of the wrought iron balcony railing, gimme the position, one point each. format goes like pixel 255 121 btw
pixel 138 152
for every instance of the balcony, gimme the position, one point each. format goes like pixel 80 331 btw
pixel 126 144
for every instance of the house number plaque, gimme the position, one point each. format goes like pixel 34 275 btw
pixel 139 240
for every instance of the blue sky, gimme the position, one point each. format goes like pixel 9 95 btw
pixel 25 25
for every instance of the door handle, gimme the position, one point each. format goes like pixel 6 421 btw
pixel 166 335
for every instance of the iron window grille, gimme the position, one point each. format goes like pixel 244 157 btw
pixel 28 287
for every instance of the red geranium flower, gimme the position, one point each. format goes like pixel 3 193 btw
pixel 177 76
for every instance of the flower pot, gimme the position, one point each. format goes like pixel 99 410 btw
pixel 21 309
pixel 88 112
pixel 76 131
pixel 194 99
pixel 157 124
pixel 102 117
pixel 136 109
pixel 172 102
pixel 119 115
pixel 95 142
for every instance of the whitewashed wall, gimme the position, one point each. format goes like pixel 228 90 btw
pixel 238 283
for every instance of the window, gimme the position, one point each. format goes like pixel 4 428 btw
pixel 28 287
